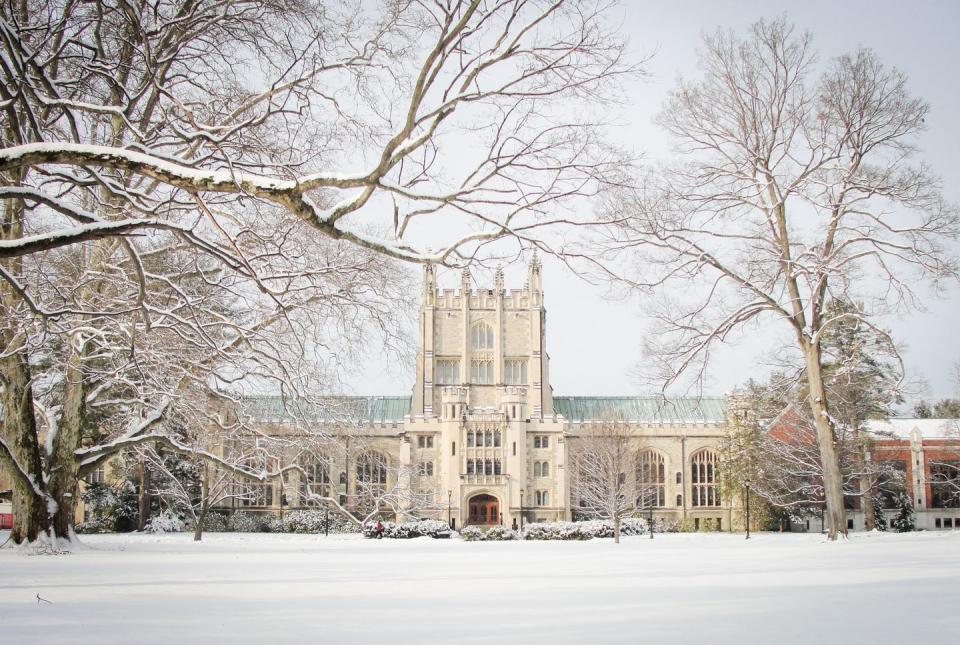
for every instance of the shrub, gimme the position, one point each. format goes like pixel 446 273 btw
pixel 690 525
pixel 111 508
pixel 709 525
pixel 684 526
pixel 404 530
pixel 556 531
pixel 311 521
pixel 583 530
pixel 661 525
pixel 242 522
pixel 215 522
pixel 497 533
pixel 500 533
pixel 166 522
pixel 472 534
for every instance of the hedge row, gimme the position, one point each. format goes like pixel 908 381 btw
pixel 582 530
pixel 307 521
pixel 406 530
pixel 497 533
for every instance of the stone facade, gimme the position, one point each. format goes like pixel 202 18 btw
pixel 483 435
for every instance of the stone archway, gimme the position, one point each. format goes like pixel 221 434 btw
pixel 484 510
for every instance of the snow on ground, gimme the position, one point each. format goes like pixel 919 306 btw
pixel 678 588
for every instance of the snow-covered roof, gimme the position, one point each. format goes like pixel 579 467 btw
pixel 928 428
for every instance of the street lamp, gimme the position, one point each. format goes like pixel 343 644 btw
pixel 650 510
pixel 747 486
pixel 521 510
pixel 449 503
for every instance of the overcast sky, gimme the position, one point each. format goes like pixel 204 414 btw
pixel 593 341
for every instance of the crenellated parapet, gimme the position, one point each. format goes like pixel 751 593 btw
pixel 454 401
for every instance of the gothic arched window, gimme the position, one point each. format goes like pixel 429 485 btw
pixel 372 468
pixel 315 479
pixel 704 479
pixel 651 480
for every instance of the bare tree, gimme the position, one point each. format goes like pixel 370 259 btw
pixel 188 481
pixel 608 481
pixel 462 109
pixel 794 190
pixel 177 175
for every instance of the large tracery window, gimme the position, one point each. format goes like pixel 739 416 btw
pixel 651 480
pixel 252 492
pixel 481 367
pixel 314 480
pixel 481 336
pixel 372 469
pixel 704 479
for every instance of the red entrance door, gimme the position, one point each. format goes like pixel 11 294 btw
pixel 484 509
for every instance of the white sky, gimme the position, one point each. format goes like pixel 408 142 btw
pixel 594 342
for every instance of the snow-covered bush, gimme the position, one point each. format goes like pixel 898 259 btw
pixel 500 533
pixel 215 522
pixel 404 530
pixel 112 507
pixel 471 534
pixel 497 533
pixel 166 522
pixel 664 525
pixel 312 521
pixel 242 522
pixel 582 530
pixel 556 531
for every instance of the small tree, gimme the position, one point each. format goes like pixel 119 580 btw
pixel 879 515
pixel 190 484
pixel 904 521
pixel 603 487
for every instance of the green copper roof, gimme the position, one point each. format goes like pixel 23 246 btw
pixel 641 409
pixel 366 409
pixel 392 409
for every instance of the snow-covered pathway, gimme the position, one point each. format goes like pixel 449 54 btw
pixel 677 588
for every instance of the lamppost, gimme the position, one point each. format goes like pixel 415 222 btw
pixel 747 487
pixel 650 511
pixel 449 503
pixel 521 510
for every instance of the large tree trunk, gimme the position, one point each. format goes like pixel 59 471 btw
pixel 143 500
pixel 866 493
pixel 64 476
pixel 866 479
pixel 30 512
pixel 827 443
pixel 19 427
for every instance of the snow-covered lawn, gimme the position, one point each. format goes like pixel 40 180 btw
pixel 678 588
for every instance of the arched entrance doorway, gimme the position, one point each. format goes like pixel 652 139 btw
pixel 484 509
